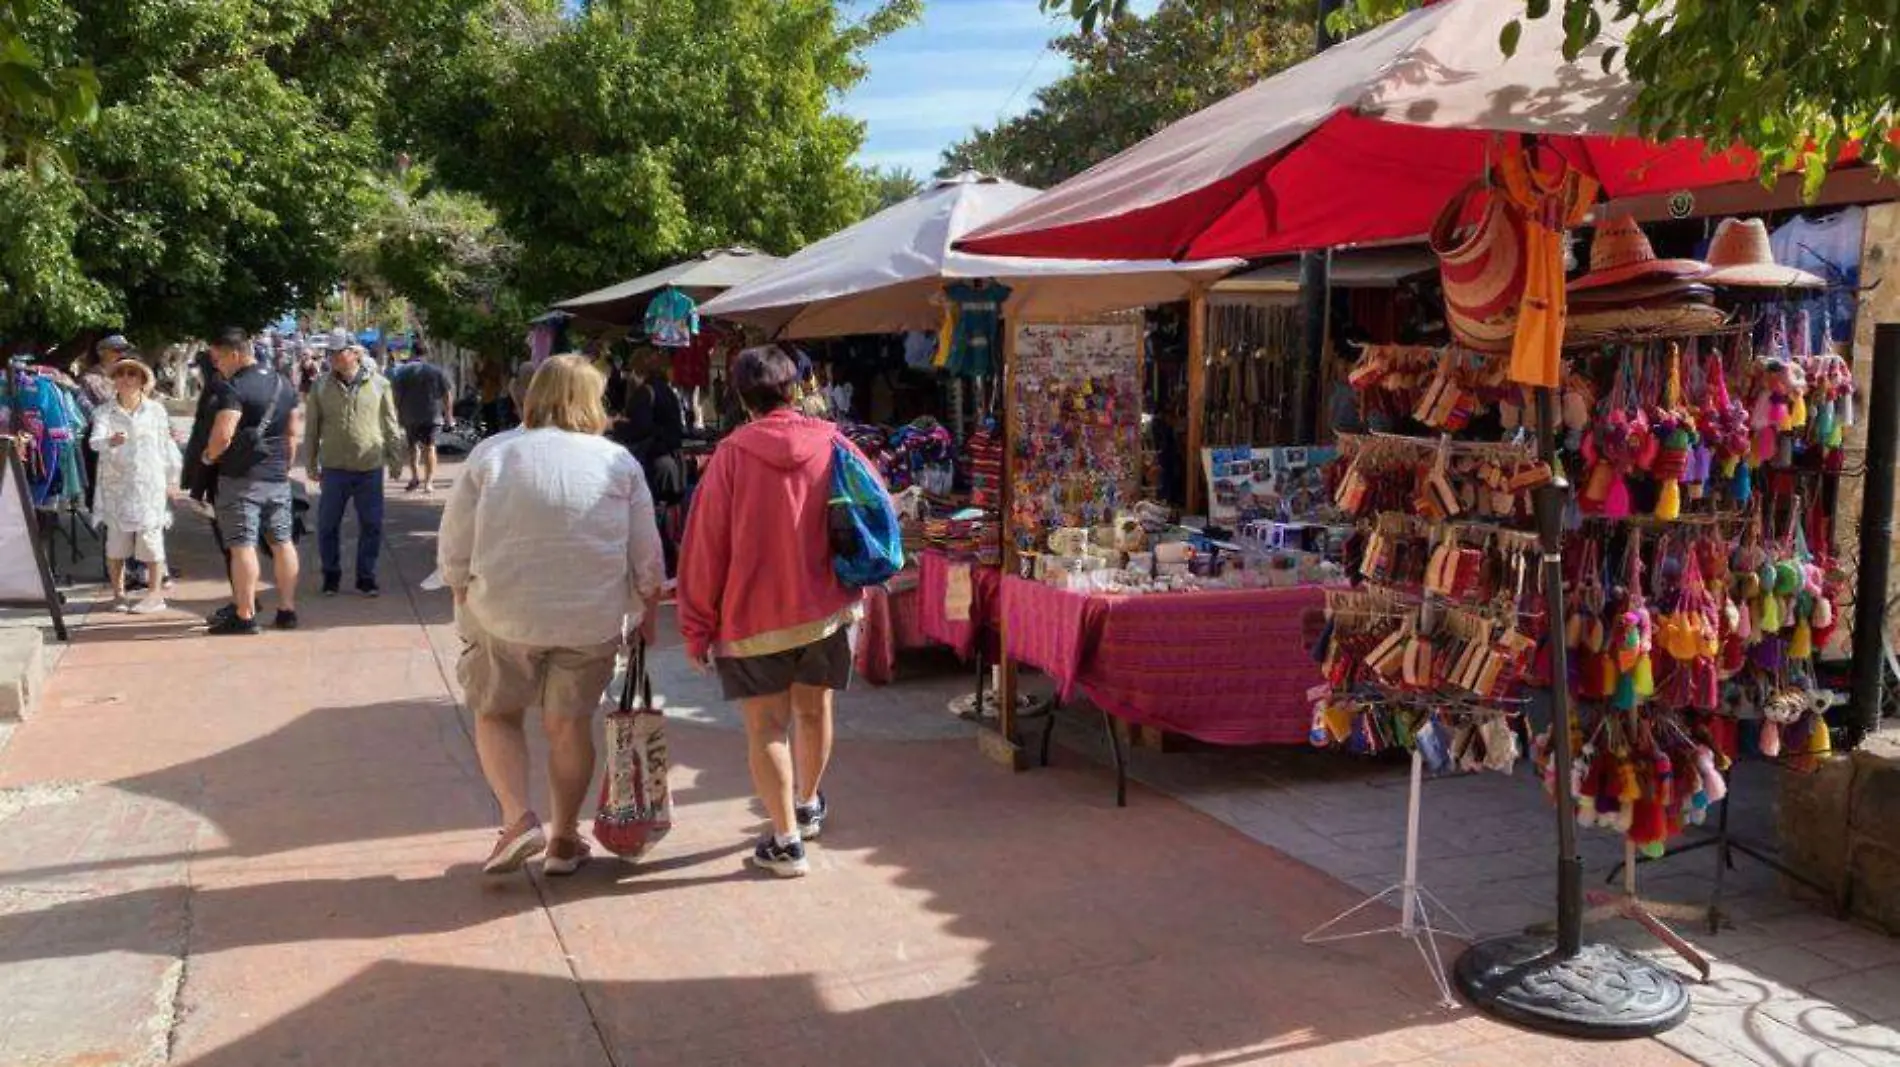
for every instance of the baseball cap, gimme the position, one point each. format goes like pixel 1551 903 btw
pixel 338 340
pixel 115 343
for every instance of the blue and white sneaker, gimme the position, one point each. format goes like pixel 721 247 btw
pixel 811 819
pixel 786 861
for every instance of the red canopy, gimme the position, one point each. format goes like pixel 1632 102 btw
pixel 1364 142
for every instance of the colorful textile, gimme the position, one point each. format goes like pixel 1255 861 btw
pixel 1550 206
pixel 976 347
pixel 1224 667
pixel 892 624
pixel 986 603
pixel 672 319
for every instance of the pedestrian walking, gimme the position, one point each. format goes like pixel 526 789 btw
pixel 138 463
pixel 653 428
pixel 549 544
pixel 353 437
pixel 423 398
pixel 760 604
pixel 257 428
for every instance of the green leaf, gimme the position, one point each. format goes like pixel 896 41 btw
pixel 1536 9
pixel 1508 37
pixel 1609 57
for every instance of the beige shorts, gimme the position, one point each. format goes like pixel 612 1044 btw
pixel 147 545
pixel 502 678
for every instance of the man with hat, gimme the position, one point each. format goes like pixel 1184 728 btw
pixel 353 437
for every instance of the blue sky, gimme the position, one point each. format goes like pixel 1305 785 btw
pixel 965 65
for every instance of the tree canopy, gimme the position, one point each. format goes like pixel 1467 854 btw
pixel 1132 79
pixel 1796 82
pixel 243 161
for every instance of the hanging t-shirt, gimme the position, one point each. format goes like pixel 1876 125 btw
pixel 975 351
pixel 1828 246
pixel 672 319
pixel 919 349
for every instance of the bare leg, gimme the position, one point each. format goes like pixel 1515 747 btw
pixel 284 562
pixel 503 748
pixel 244 580
pixel 415 463
pixel 115 572
pixel 811 738
pixel 766 721
pixel 428 467
pixel 570 769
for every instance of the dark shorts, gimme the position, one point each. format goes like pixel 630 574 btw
pixel 249 510
pixel 421 435
pixel 822 664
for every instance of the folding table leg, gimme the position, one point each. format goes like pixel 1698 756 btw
pixel 1121 762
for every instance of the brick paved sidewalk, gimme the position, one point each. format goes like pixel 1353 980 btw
pixel 257 851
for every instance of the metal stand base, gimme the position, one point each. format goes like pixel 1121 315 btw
pixel 1414 901
pixel 1600 992
pixel 1649 914
pixel 1726 846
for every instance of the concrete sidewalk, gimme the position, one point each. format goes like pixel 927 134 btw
pixel 249 851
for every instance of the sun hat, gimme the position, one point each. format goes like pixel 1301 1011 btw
pixel 1742 256
pixel 1621 252
pixel 127 366
pixel 1482 272
pixel 338 340
pixel 1647 293
pixel 1590 327
pixel 115 343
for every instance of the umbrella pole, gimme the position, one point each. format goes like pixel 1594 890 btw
pixel 1565 986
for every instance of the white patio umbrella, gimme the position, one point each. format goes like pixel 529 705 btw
pixel 879 276
pixel 703 277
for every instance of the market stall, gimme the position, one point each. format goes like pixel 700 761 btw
pixel 1691 560
pixel 897 273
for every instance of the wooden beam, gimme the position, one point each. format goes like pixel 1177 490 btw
pixel 1196 393
pixel 1002 745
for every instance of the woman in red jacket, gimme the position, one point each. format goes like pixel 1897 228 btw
pixel 758 600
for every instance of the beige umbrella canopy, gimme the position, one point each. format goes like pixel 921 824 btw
pixel 703 277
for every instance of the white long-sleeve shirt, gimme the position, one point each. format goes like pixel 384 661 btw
pixel 553 535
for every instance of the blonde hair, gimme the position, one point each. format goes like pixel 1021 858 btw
pixel 566 395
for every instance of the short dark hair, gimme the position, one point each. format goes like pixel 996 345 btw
pixel 233 339
pixel 765 379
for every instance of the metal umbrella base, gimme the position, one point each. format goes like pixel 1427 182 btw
pixel 1601 991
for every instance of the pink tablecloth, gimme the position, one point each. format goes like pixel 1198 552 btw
pixel 986 603
pixel 892 623
pixel 1229 668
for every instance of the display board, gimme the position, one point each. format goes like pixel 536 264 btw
pixel 1244 484
pixel 25 578
pixel 1075 412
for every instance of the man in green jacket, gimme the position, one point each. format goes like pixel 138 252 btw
pixel 353 438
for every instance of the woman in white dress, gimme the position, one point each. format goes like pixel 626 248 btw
pixel 139 462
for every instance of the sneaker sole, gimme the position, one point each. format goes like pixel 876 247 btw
pixel 525 848
pixel 795 869
pixel 563 868
pixel 811 831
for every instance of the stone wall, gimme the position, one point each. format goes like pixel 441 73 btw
pixel 1841 827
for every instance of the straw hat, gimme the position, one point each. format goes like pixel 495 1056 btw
pixel 1742 256
pixel 1586 327
pixel 1621 253
pixel 1483 273
pixel 1652 292
pixel 146 379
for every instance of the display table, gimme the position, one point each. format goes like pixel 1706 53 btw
pixel 1229 668
pixel 966 637
pixel 893 623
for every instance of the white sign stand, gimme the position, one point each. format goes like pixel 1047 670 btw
pixel 26 580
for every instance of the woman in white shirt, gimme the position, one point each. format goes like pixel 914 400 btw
pixel 138 464
pixel 550 545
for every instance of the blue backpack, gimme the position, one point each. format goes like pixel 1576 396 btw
pixel 866 546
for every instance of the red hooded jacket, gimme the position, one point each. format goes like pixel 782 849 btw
pixel 755 571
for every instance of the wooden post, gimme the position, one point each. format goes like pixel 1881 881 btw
pixel 1196 393
pixel 1002 745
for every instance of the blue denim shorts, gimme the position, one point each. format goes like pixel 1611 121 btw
pixel 248 508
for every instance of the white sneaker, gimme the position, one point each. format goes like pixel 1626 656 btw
pixel 151 605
